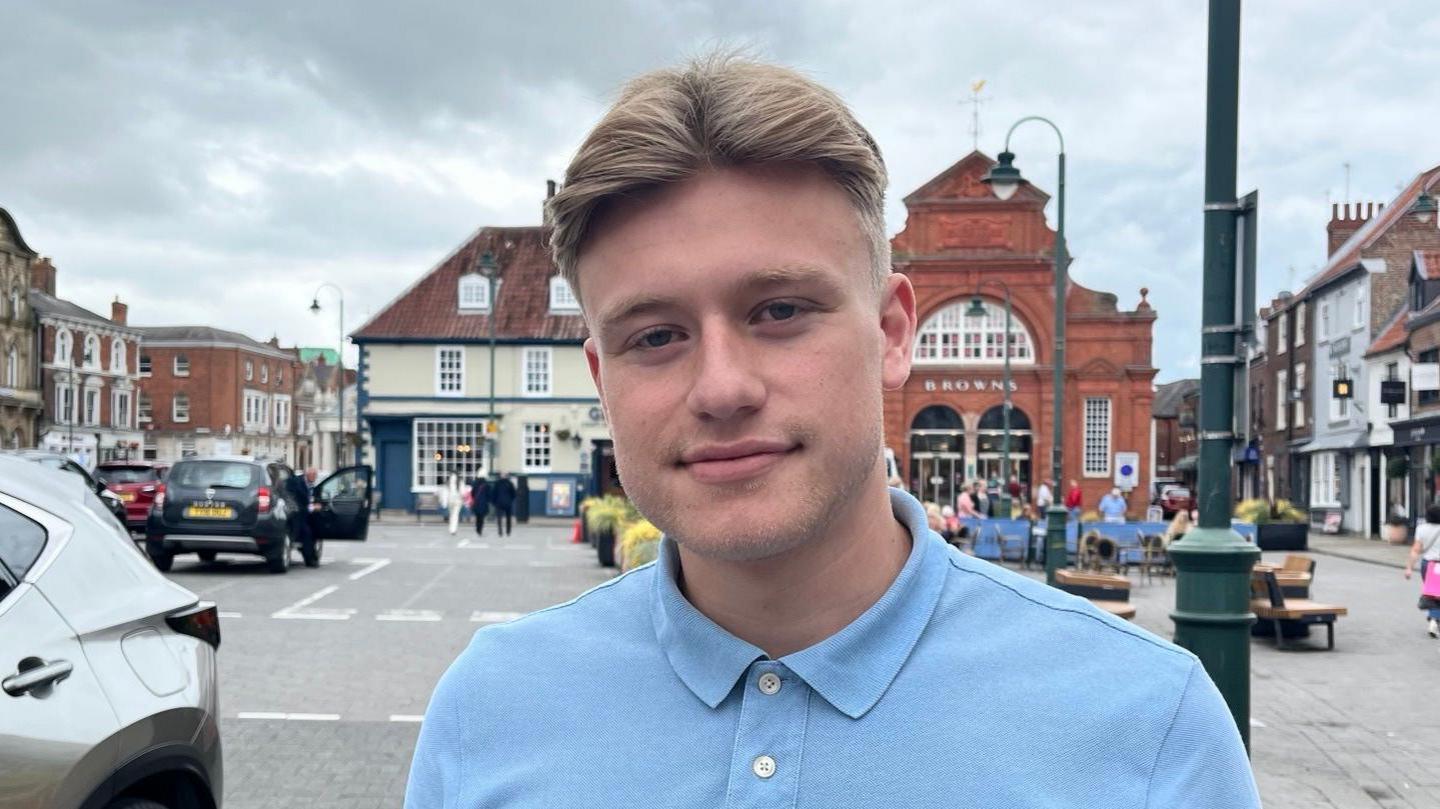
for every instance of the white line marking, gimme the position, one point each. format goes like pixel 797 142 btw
pixel 313 597
pixel 317 614
pixel 535 563
pixel 409 615
pixel 1256 723
pixel 374 565
pixel 478 545
pixel 405 717
pixel 489 617
pixel 224 614
pixel 291 717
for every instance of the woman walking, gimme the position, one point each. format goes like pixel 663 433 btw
pixel 1427 550
pixel 453 501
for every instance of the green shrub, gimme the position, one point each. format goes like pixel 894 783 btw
pixel 1259 511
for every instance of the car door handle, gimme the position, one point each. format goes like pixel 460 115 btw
pixel 18 685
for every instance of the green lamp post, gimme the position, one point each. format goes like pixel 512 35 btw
pixel 489 268
pixel 977 310
pixel 1004 179
pixel 1213 563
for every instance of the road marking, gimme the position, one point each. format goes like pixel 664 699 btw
pixel 405 717
pixel 298 611
pixel 373 565
pixel 291 717
pixel 536 563
pixel 518 547
pixel 409 615
pixel 488 617
pixel 224 614
pixel 1256 723
pixel 465 543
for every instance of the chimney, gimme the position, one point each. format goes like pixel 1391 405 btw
pixel 119 312
pixel 42 275
pixel 549 189
pixel 1343 224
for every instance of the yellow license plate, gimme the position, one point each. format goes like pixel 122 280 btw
pixel 127 497
pixel 210 512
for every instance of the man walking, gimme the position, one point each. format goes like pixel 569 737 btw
pixel 502 497
pixel 479 503
pixel 797 641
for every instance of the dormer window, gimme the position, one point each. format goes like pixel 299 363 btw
pixel 474 292
pixel 562 298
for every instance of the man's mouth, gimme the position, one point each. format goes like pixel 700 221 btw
pixel 731 463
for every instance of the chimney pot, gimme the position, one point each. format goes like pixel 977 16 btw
pixel 1334 211
pixel 1347 212
pixel 549 189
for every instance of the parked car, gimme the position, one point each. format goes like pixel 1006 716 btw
pixel 108 670
pixel 1175 498
pixel 209 506
pixel 136 484
pixel 54 460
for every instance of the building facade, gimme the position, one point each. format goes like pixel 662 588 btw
pixel 1174 433
pixel 20 402
pixel 428 375
pixel 945 425
pixel 89 378
pixel 1281 383
pixel 207 391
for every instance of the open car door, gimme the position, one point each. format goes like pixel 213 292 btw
pixel 340 504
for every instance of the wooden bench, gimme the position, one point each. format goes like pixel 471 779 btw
pixel 1294 576
pixel 1270 604
pixel 1106 591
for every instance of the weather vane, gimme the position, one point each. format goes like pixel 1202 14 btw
pixel 975 101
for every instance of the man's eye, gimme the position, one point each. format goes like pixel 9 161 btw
pixel 781 310
pixel 659 338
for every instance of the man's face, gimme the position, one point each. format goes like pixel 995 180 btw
pixel 740 349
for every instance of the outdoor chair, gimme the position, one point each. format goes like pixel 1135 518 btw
pixel 1107 554
pixel 1270 604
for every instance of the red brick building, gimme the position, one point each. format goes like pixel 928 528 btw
pixel 1175 444
pixel 210 391
pixel 944 425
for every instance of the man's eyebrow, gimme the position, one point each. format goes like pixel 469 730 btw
pixel 644 303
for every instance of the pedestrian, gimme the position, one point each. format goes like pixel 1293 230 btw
pixel 502 497
pixel 797 639
pixel 1177 528
pixel 1073 499
pixel 1014 488
pixel 453 501
pixel 480 503
pixel 1426 549
pixel 299 519
pixel 983 502
pixel 1112 506
pixel 965 503
pixel 1044 496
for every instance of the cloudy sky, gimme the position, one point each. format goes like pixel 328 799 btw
pixel 215 162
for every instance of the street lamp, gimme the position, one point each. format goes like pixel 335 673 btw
pixel 977 310
pixel 1004 179
pixel 1424 208
pixel 489 268
pixel 340 370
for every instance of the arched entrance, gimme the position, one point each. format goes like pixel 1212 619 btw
pixel 937 454
pixel 990 444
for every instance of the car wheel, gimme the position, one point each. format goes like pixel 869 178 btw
pixel 162 558
pixel 312 556
pixel 279 559
pixel 206 556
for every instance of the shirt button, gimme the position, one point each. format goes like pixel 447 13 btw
pixel 769 683
pixel 764 766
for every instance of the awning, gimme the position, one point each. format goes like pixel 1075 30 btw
pixel 1328 443
pixel 1187 463
pixel 1414 432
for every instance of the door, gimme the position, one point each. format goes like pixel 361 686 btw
pixel 395 470
pixel 936 478
pixel 340 504
pixel 53 714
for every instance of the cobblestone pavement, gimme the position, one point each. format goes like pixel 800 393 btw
pixel 326 672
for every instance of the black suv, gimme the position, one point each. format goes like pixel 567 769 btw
pixel 243 505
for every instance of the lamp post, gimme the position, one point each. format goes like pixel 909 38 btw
pixel 977 310
pixel 340 370
pixel 488 267
pixel 1004 179
pixel 1213 563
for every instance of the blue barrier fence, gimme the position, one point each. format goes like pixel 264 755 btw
pixel 1004 540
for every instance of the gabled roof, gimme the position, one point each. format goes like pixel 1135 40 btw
pixel 1347 256
pixel 1392 335
pixel 961 181
pixel 430 308
pixel 1169 395
pixel 46 304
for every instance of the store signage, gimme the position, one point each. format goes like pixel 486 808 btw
pixel 967 385
pixel 1340 347
pixel 1342 389
pixel 1392 391
pixel 1425 376
pixel 1127 470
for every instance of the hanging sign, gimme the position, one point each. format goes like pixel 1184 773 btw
pixel 1425 376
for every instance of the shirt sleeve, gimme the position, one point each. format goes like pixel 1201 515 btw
pixel 1202 761
pixel 435 769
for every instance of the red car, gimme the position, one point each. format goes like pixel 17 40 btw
pixel 135 483
pixel 1175 498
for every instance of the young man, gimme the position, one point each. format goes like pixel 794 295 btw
pixel 803 639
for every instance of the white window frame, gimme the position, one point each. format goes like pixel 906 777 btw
pixel 562 298
pixel 264 374
pixel 175 365
pixel 64 347
pixel 473 292
pixel 1095 449
pixel 1299 400
pixel 175 414
pixel 118 358
pixel 92 395
pixel 65 401
pixel 1300 324
pixel 1324 327
pixel 1325 480
pixel 1282 332
pixel 1339 408
pixel 282 412
pixel 950 337
pixel 537 448
pixel 144 409
pixel 257 410
pixel 1359 308
pixel 12 368
pixel 455 376
pixel 90 357
pixel 532 375
pixel 430 436
pixel 249 370
pixel 120 415
pixel 146 366
pixel 1282 396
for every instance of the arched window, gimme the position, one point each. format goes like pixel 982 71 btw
pixel 117 356
pixel 474 292
pixel 91 357
pixel 952 337
pixel 64 347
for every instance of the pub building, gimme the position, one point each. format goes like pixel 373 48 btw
pixel 945 425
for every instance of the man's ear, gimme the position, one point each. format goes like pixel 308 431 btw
pixel 897 325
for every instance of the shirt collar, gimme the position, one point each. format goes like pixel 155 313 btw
pixel 851 669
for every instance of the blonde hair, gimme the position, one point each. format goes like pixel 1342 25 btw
pixel 718 110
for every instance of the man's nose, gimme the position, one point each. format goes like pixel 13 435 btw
pixel 727 379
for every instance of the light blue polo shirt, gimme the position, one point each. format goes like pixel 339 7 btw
pixel 965 685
